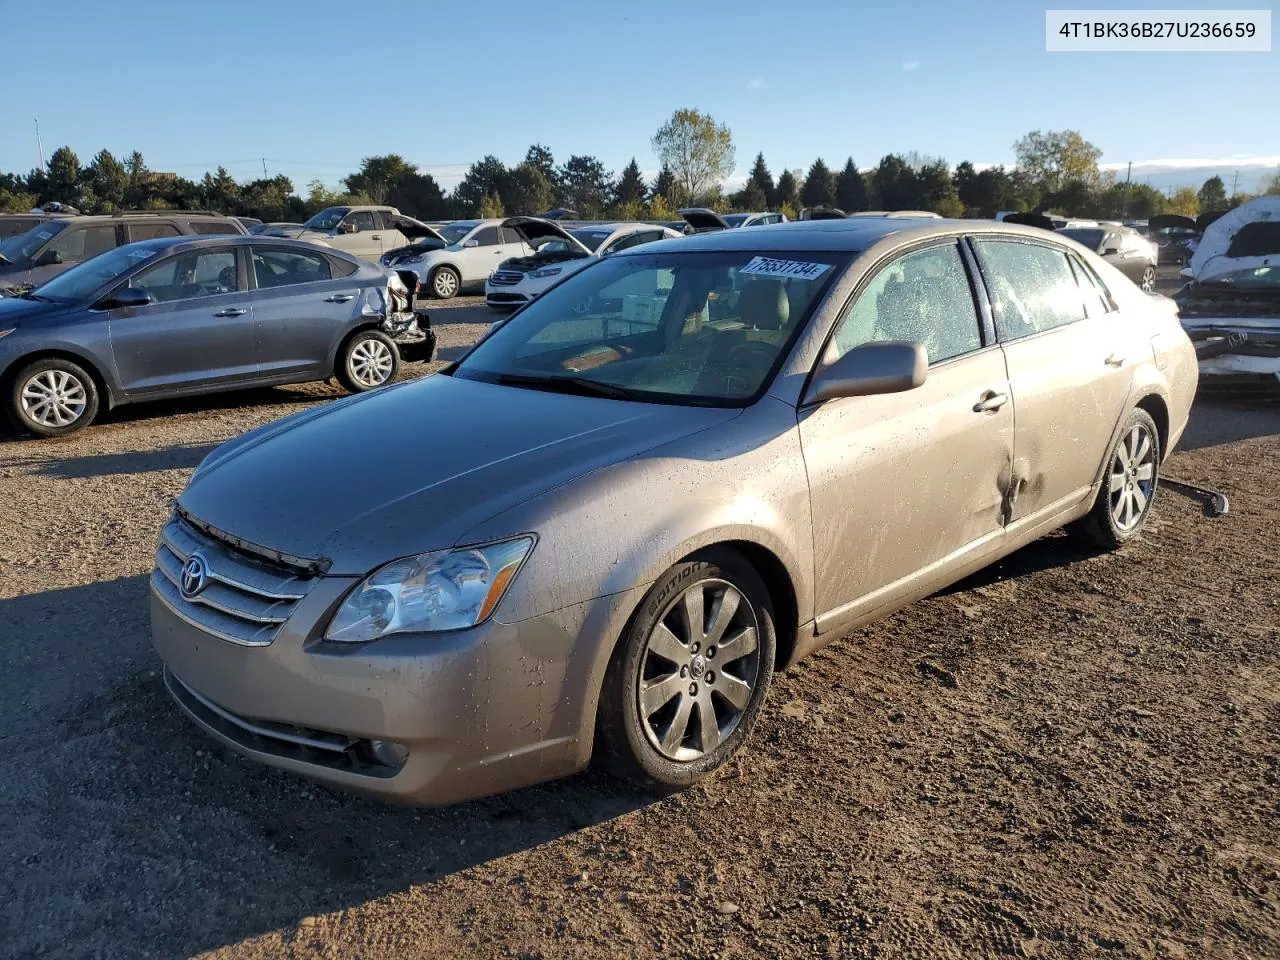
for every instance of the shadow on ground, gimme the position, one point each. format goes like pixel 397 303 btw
pixel 179 457
pixel 102 776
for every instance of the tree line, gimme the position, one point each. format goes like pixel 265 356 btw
pixel 1054 170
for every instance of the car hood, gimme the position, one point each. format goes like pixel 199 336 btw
pixel 531 229
pixel 416 229
pixel 15 310
pixel 703 219
pixel 1247 238
pixel 413 468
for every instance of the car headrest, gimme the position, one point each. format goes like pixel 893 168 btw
pixel 764 305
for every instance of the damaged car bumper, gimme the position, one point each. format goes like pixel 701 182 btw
pixel 408 328
pixel 1237 353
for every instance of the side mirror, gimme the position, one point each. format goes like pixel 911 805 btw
pixel 126 297
pixel 472 243
pixel 1110 251
pixel 346 227
pixel 49 258
pixel 891 366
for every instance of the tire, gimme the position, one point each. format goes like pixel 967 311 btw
pixel 1148 280
pixel 639 741
pixel 1110 524
pixel 68 392
pixel 445 283
pixel 367 360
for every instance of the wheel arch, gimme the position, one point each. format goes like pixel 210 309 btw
pixel 365 323
pixel 1158 409
pixel 106 393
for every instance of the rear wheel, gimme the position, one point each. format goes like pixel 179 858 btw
pixel 52 397
pixel 688 680
pixel 368 360
pixel 445 283
pixel 1148 281
pixel 1128 487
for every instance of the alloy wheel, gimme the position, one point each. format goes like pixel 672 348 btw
pixel 446 283
pixel 1148 280
pixel 1132 481
pixel 54 398
pixel 699 670
pixel 371 363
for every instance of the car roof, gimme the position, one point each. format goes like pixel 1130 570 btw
pixel 196 241
pixel 853 235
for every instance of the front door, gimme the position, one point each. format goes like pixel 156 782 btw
pixel 300 309
pixel 909 484
pixel 1070 357
pixel 477 262
pixel 197 332
pixel 358 235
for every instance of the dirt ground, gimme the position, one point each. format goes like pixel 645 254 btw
pixel 1069 755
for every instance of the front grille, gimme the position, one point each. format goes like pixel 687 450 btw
pixel 336 751
pixel 245 600
pixel 506 278
pixel 506 298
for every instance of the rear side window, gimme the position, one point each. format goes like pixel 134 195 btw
pixel 76 245
pixel 342 268
pixel 1032 287
pixel 924 297
pixel 510 236
pixel 1097 301
pixel 283 268
pixel 644 236
pixel 213 226
pixel 149 231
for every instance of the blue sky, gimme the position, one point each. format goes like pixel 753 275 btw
pixel 314 86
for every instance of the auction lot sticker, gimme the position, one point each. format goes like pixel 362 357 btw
pixel 795 269
pixel 1140 31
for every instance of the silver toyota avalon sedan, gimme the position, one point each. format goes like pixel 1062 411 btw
pixel 675 472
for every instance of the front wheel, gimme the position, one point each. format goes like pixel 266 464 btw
pixel 1148 281
pixel 1128 487
pixel 368 360
pixel 445 283
pixel 52 397
pixel 688 680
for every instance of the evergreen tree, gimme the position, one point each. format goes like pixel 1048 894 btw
pixel 819 186
pixel 788 192
pixel 851 189
pixel 664 185
pixel 631 188
pixel 762 180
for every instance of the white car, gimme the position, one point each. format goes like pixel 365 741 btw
pixel 555 253
pixel 366 232
pixel 459 255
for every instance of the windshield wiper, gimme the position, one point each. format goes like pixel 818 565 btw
pixel 35 296
pixel 576 385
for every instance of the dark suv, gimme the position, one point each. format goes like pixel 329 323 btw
pixel 29 259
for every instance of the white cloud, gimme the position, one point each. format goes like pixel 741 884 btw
pixel 1177 163
pixel 909 65
pixel 758 83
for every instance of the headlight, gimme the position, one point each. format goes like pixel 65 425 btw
pixel 546 272
pixel 5 333
pixel 416 258
pixel 444 590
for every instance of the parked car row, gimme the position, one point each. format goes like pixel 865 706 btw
pixel 675 471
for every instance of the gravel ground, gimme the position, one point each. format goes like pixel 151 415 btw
pixel 1069 755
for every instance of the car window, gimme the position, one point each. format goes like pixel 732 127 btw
pixel 149 231
pixel 923 297
pixel 362 220
pixel 86 242
pixel 487 237
pixel 282 268
pixel 1032 287
pixel 187 276
pixel 643 236
pixel 1097 301
pixel 510 236
pixel 213 226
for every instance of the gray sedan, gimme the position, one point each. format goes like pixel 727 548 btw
pixel 682 468
pixel 178 316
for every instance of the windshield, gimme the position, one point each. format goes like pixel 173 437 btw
pixel 1267 278
pixel 735 219
pixel 22 246
pixel 327 219
pixel 454 232
pixel 83 280
pixel 707 329
pixel 591 239
pixel 1086 238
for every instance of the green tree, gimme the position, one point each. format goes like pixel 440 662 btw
pixel 106 180
pixel 541 157
pixel 751 198
pixel 491 206
pixel 268 199
pixel 819 186
pixel 631 188
pixel 485 176
pixel 896 187
pixel 138 192
pixel 378 176
pixel 851 188
pixel 664 186
pixel 1185 202
pixel 585 186
pixel 1057 158
pixel 220 191
pixel 986 192
pixel 788 192
pixel 935 189
pixel 527 190
pixel 62 181
pixel 1272 188
pixel 1213 194
pixel 16 201
pixel 762 180
pixel 698 150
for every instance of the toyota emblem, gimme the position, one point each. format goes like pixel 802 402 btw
pixel 195 575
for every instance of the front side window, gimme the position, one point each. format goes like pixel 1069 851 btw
pixel 689 328
pixel 921 297
pixel 487 237
pixel 151 231
pixel 455 232
pixel 362 220
pixel 187 276
pixel 214 226
pixel 327 219
pixel 283 268
pixel 76 245
pixel 1032 287
pixel 85 279
pixel 24 246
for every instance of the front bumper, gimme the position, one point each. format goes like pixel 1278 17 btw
pixel 505 300
pixel 479 711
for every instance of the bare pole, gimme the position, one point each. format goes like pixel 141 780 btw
pixel 39 145
pixel 264 168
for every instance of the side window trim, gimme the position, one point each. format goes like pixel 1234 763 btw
pixel 151 265
pixel 270 248
pixel 1082 268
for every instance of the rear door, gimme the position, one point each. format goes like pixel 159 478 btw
pixel 303 303
pixel 199 331
pixel 1070 357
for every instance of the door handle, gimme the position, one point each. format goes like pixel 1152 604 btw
pixel 990 401
pixel 1114 360
pixel 340 298
pixel 376 237
pixel 231 312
